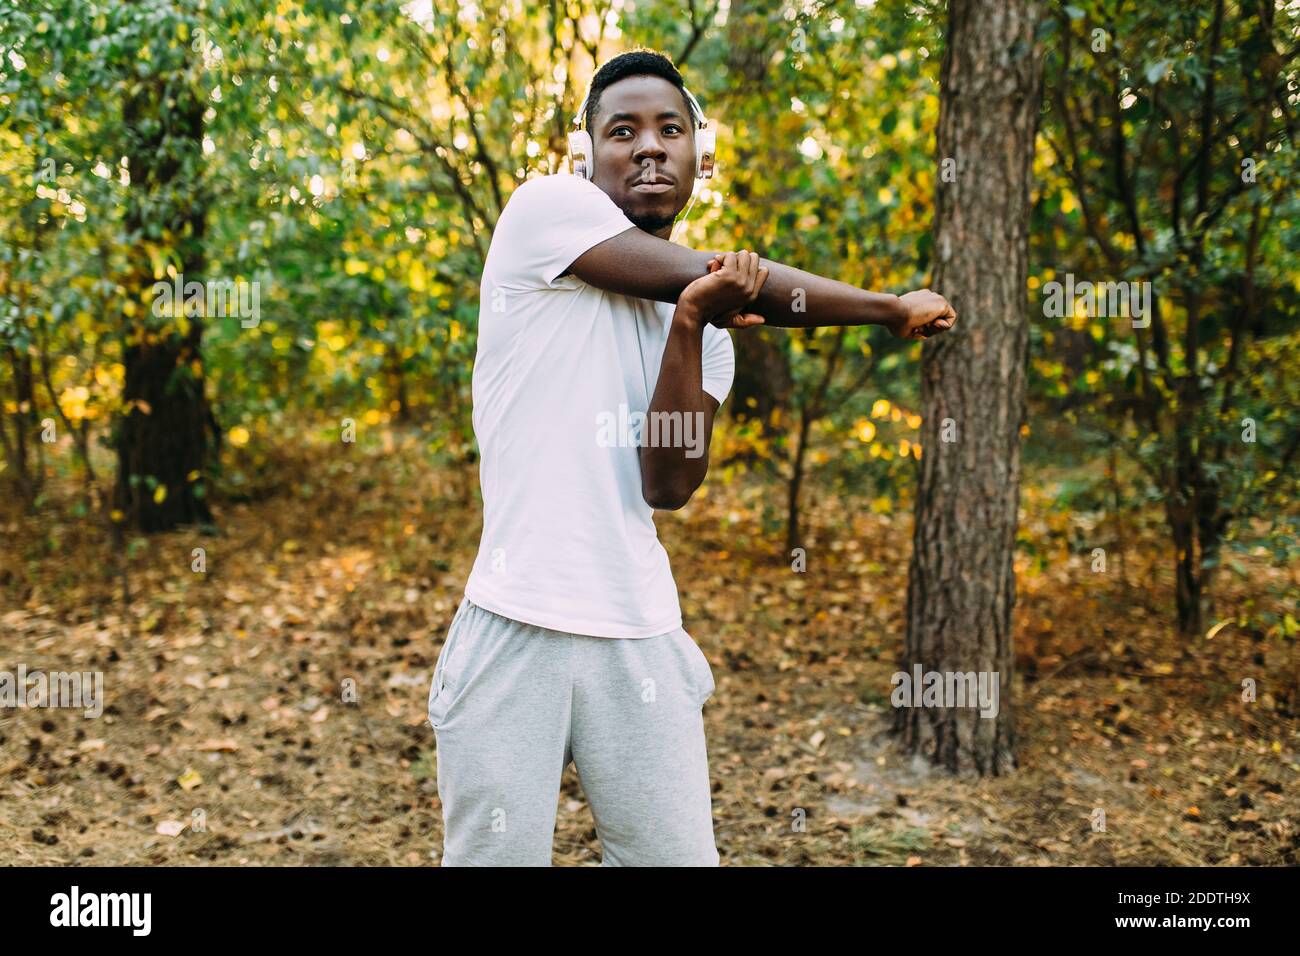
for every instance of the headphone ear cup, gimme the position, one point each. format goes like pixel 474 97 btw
pixel 580 154
pixel 706 141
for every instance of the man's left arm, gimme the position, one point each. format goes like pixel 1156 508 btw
pixel 679 422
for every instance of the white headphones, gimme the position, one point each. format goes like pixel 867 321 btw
pixel 582 155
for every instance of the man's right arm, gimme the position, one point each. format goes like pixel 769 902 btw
pixel 791 298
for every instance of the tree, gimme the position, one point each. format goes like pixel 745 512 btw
pixel 961 585
pixel 1174 130
pixel 163 439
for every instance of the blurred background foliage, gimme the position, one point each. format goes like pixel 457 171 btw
pixel 353 161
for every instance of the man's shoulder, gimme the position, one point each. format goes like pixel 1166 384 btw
pixel 552 185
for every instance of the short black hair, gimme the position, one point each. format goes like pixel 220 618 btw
pixel 634 63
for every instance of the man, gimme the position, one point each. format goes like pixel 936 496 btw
pixel 594 399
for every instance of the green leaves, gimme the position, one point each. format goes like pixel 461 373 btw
pixel 1155 72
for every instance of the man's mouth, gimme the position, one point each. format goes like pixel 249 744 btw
pixel 655 184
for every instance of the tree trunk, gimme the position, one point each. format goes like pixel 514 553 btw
pixel 25 428
pixel 961 587
pixel 763 383
pixel 162 438
pixel 793 533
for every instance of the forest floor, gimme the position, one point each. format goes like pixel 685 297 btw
pixel 225 741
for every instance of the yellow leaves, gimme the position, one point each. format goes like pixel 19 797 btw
pixel 453 331
pixel 189 779
pixel 1216 629
pixel 864 430
pixel 355 267
pixel 1068 205
pixel 160 494
pixel 373 416
pixel 417 277
pixel 881 408
pixel 238 436
pixel 193 475
pixel 1079 318
pixel 73 403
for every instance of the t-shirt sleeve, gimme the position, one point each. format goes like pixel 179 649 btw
pixel 718 362
pixel 547 223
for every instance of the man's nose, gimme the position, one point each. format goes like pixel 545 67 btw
pixel 650 147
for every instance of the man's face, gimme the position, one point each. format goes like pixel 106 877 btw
pixel 644 143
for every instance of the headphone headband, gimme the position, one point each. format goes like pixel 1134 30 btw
pixel 701 122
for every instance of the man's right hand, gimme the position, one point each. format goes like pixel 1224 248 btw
pixel 925 313
pixel 719 298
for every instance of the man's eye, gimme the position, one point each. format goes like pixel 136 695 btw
pixel 618 129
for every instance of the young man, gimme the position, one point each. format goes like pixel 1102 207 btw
pixel 568 645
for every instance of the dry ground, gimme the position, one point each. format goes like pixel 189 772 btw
pixel 225 740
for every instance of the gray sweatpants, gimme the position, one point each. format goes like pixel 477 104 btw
pixel 512 704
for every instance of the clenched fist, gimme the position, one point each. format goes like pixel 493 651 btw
pixel 732 283
pixel 925 314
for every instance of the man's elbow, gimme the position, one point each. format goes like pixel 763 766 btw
pixel 668 497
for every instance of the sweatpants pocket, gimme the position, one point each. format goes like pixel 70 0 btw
pixel 701 671
pixel 447 670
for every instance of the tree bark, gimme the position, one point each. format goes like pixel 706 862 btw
pixel 961 587
pixel 763 382
pixel 162 437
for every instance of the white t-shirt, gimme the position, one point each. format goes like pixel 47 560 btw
pixel 568 542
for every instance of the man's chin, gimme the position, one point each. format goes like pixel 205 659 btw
pixel 650 222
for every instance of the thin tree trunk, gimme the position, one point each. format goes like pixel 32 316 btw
pixel 961 586
pixel 763 382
